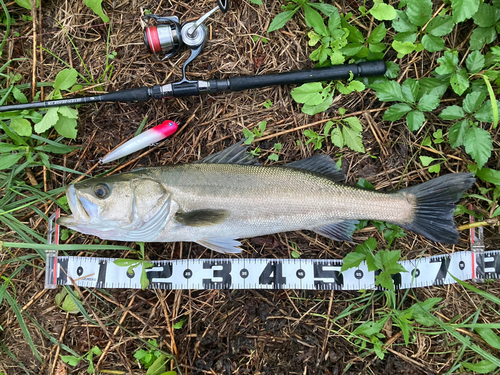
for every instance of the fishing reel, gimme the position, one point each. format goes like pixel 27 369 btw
pixel 168 35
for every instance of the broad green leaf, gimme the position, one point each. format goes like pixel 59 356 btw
pixel 435 168
pixel 256 2
pixel 273 157
pixel 158 366
pixel 419 11
pixel 406 37
pixel 337 138
pixel 448 63
pixel 334 22
pixel 96 6
pixel 481 367
pixel 65 79
pixel 48 121
pixel 19 96
pixel 376 47
pixel 309 93
pixel 473 101
pixel 478 145
pixel 452 112
pixel 353 139
pixel 355 35
pixel 313 38
pixel 481 36
pixel 486 16
pixel 392 70
pixel 281 19
pixel 389 91
pixel 370 328
pixel 489 175
pixel 26 3
pixel 440 26
pixel 337 58
pixel 403 49
pixel 322 107
pixel 396 111
pixel 314 20
pixel 409 89
pixel 69 305
pixel 459 81
pixel 415 119
pixel 426 160
pixel 457 133
pixel 7 161
pixel 327 9
pixel 402 24
pixel 489 336
pixel 354 123
pixel 68 112
pixel 12 135
pixel 320 54
pixel 377 34
pixel 428 102
pixel 71 360
pixel 383 12
pixel 8 147
pixel 475 62
pixel 433 43
pixel 485 112
pixel 356 86
pixel 464 9
pixel 352 49
pixel 21 126
pixel 178 325
pixel 66 127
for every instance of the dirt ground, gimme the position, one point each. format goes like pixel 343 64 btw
pixel 224 332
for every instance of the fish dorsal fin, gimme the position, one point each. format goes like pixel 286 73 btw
pixel 235 154
pixel 202 218
pixel 322 164
pixel 341 231
pixel 222 245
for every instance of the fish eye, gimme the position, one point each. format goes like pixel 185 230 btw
pixel 101 191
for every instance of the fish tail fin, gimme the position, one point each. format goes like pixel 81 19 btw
pixel 434 203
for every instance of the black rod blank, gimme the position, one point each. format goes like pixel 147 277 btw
pixel 192 88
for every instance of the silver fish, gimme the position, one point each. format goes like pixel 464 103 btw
pixel 226 196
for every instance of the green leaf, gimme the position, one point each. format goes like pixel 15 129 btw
pixel 322 107
pixel 452 112
pixel 327 9
pixel 478 145
pixel 26 3
pixel 377 34
pixel 396 111
pixel 426 160
pixel 158 365
pixel 402 24
pixel 178 325
pixel 475 62
pixel 448 63
pixel 489 175
pixel 406 37
pixel 392 70
pixel 314 19
pixel 68 112
pixel 126 262
pixel 65 79
pixel 354 123
pixel 71 360
pixel 7 161
pixel 273 157
pixel 19 96
pixel 415 119
pixel 309 93
pixel 486 16
pixel 69 305
pixel 389 91
pixel 66 127
pixel 352 260
pixel 334 22
pixel 256 2
pixel 96 6
pixel 485 112
pixel 435 168
pixel 48 121
pixel 457 133
pixel 459 81
pixel 433 43
pixel 337 138
pixel 473 101
pixel 409 89
pixel 428 102
pixel 383 12
pixel 489 336
pixel 464 9
pixel 494 103
pixel 353 139
pixel 482 367
pixel 481 36
pixel 45 159
pixel 403 49
pixel 281 19
pixel 440 26
pixel 419 11
pixel 376 47
pixel 21 126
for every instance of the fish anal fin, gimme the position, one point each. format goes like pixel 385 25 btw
pixel 221 245
pixel 202 218
pixel 322 164
pixel 340 231
pixel 235 154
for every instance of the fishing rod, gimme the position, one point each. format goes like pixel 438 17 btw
pixel 186 88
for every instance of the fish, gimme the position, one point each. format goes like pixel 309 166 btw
pixel 229 195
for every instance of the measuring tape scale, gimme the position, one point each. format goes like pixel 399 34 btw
pixel 310 274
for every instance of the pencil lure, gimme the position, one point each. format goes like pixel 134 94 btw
pixel 153 135
pixel 226 196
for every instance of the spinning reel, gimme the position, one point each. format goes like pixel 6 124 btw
pixel 169 35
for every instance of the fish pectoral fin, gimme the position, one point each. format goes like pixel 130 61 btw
pixel 341 231
pixel 235 154
pixel 202 218
pixel 222 245
pixel 322 164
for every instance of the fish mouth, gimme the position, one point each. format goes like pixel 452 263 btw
pixel 82 209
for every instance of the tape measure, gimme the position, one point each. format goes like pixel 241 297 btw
pixel 240 273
